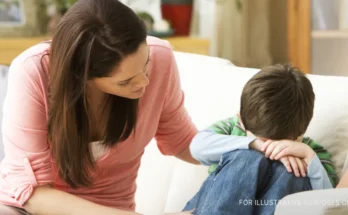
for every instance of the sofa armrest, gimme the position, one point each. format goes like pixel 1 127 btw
pixel 314 202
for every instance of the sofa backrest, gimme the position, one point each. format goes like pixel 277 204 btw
pixel 213 90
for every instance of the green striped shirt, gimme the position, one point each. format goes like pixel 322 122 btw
pixel 232 126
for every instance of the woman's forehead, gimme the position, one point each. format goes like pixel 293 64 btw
pixel 132 64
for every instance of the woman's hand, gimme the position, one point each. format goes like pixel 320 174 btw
pixel 344 181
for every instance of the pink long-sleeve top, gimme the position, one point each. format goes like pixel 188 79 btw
pixel 28 162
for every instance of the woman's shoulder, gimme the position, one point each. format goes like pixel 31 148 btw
pixel 32 61
pixel 158 44
pixel 161 54
pixel 159 47
pixel 35 53
pixel 29 71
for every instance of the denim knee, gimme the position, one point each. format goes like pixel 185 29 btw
pixel 244 155
pixel 242 158
pixel 280 173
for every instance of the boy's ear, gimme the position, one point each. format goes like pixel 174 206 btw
pixel 240 121
pixel 300 138
pixel 249 134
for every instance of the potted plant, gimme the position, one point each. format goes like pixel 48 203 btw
pixel 179 13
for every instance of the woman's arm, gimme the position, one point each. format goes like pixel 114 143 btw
pixel 344 181
pixel 26 171
pixel 175 129
pixel 187 156
pixel 48 201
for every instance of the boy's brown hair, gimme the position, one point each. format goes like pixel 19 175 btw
pixel 277 103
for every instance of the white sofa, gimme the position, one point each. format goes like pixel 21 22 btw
pixel 213 88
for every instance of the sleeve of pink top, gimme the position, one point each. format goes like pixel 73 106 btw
pixel 176 129
pixel 27 162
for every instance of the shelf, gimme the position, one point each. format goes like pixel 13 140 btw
pixel 334 34
pixel 12 47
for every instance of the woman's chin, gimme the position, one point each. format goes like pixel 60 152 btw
pixel 133 95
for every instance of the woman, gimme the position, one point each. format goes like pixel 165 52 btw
pixel 80 110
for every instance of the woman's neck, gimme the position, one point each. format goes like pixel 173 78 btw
pixel 95 97
pixel 97 108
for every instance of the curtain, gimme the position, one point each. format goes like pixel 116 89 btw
pixel 195 22
pixel 241 32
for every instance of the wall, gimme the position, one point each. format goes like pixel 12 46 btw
pixel 30 28
pixel 329 56
pixel 330 49
pixel 278 31
pixel 206 10
pixel 150 6
pixel 203 14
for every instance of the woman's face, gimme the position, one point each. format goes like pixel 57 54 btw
pixel 129 79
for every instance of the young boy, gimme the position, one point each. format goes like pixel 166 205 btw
pixel 276 109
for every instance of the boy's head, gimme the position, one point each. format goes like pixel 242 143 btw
pixel 277 103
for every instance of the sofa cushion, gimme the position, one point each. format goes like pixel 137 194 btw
pixel 213 93
pixel 190 58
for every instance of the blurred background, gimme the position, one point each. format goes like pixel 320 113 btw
pixel 311 34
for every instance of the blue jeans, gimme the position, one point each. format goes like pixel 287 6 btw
pixel 245 182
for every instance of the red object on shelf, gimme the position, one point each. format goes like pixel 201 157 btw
pixel 179 16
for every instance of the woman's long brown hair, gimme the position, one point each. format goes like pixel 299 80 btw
pixel 92 39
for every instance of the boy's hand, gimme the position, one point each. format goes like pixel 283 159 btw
pixel 295 165
pixel 278 149
pixel 291 163
pixel 257 145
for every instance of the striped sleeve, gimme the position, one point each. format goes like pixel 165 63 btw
pixel 224 127
pixel 325 160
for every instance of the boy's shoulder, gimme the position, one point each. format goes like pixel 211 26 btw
pixel 229 126
pixel 311 143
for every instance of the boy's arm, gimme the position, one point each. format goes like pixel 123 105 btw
pixel 325 159
pixel 316 157
pixel 208 145
pixel 318 175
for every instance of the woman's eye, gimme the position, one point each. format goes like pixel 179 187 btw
pixel 123 84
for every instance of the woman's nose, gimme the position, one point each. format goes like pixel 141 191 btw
pixel 143 81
